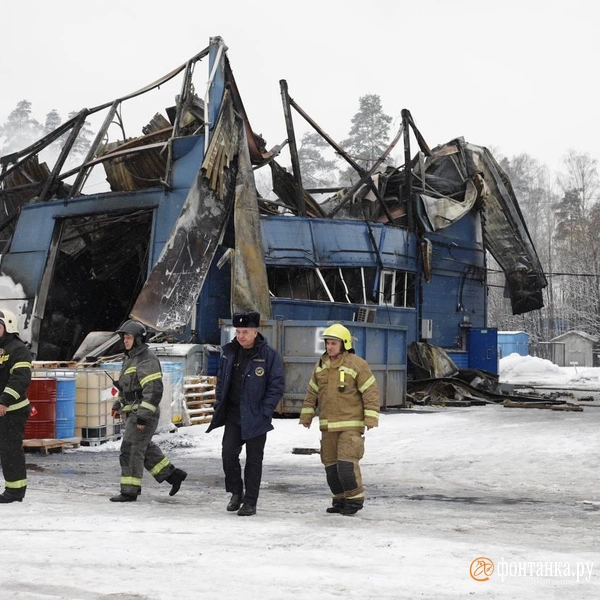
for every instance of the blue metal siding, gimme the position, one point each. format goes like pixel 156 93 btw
pixel 460 359
pixel 29 253
pixel 457 292
pixel 309 242
pixel 305 310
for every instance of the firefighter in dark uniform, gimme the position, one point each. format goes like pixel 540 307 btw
pixel 140 388
pixel 15 375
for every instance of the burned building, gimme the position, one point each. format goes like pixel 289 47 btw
pixel 180 238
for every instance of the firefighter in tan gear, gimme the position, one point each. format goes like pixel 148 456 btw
pixel 15 376
pixel 344 391
pixel 140 388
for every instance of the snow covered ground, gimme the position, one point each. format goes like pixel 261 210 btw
pixel 446 487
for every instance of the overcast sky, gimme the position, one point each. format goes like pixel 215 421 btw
pixel 515 76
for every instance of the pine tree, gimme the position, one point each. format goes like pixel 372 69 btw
pixel 53 121
pixel 368 135
pixel 20 129
pixel 317 171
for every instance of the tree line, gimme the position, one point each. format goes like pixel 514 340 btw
pixel 561 210
pixel 21 129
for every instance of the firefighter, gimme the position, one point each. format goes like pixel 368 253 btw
pixel 140 388
pixel 250 383
pixel 15 375
pixel 344 389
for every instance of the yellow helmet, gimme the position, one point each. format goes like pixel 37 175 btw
pixel 338 332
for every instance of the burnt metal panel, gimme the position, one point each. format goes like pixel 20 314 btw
pixel 323 242
pixel 169 294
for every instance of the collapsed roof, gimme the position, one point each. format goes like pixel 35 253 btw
pixel 433 189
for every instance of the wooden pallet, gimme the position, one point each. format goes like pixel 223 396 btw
pixel 200 396
pixel 54 364
pixel 47 445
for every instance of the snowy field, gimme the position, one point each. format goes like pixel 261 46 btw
pixel 446 486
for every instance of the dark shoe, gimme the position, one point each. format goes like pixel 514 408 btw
pixel 176 478
pixel 235 502
pixel 4 499
pixel 124 498
pixel 336 506
pixel 247 510
pixel 351 507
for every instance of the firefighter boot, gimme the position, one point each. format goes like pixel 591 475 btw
pixel 351 507
pixel 336 506
pixel 235 502
pixel 176 478
pixel 124 498
pixel 6 499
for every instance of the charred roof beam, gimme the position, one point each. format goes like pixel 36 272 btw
pixel 285 97
pixel 339 150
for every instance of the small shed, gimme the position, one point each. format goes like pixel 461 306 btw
pixel 511 342
pixel 573 348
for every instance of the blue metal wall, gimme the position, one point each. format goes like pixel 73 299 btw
pixel 457 292
pixel 31 242
pixel 454 296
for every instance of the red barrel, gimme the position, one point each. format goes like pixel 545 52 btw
pixel 42 395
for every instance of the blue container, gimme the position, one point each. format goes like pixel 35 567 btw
pixel 513 342
pixel 65 407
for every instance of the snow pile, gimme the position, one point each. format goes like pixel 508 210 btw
pixel 530 369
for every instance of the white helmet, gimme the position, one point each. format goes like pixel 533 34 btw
pixel 9 320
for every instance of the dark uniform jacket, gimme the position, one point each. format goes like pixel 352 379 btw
pixel 140 383
pixel 15 373
pixel 261 390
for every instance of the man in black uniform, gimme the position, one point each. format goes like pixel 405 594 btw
pixel 15 375
pixel 140 392
pixel 250 384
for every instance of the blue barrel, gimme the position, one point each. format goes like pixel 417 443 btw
pixel 65 407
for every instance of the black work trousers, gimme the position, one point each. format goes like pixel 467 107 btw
pixel 12 455
pixel 231 450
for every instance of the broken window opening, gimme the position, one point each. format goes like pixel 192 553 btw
pixel 343 285
pixel 100 270
pixel 397 288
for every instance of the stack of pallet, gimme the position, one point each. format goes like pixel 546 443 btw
pixel 199 393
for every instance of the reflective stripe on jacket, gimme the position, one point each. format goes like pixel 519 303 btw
pixel 141 383
pixel 15 373
pixel 344 391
